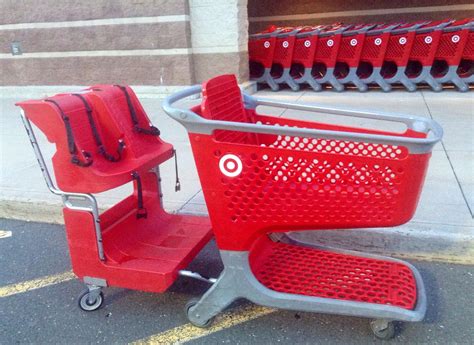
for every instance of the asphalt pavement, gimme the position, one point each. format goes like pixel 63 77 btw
pixel 49 314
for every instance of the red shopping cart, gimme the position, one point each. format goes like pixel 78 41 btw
pixel 466 66
pixel 263 176
pixel 372 56
pixel 261 51
pixel 348 56
pixel 325 57
pixel 397 55
pixel 423 52
pixel 449 53
pixel 282 57
pixel 303 55
pixel 103 140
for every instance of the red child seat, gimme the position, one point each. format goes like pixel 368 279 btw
pixel 79 123
pixel 104 139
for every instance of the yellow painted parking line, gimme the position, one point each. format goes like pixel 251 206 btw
pixel 5 234
pixel 34 284
pixel 188 332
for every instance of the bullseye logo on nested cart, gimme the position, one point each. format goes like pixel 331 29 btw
pixel 285 44
pixel 266 44
pixel 307 43
pixel 353 42
pixel 402 40
pixel 455 38
pixel 330 43
pixel 428 39
pixel 230 165
pixel 378 41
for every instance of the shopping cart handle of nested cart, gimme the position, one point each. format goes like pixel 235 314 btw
pixel 197 124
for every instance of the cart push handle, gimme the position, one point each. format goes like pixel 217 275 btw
pixel 197 124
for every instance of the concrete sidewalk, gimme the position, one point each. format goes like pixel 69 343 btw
pixel 442 228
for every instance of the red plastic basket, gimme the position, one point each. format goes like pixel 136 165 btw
pixel 255 184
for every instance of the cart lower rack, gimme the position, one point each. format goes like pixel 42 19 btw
pixel 264 176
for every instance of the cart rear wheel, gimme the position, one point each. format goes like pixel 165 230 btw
pixel 187 307
pixel 382 329
pixel 87 305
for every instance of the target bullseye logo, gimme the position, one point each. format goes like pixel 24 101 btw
pixel 428 39
pixel 266 44
pixel 402 40
pixel 230 165
pixel 353 42
pixel 378 41
pixel 285 44
pixel 307 43
pixel 455 38
pixel 330 43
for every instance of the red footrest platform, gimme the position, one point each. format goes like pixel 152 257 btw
pixel 313 272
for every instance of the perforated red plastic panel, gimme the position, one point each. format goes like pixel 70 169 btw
pixel 399 47
pixel 287 183
pixel 468 52
pixel 261 50
pixel 311 272
pixel 327 49
pixel 284 51
pixel 304 50
pixel 424 47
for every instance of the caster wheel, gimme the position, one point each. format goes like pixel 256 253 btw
pixel 382 329
pixel 87 305
pixel 187 307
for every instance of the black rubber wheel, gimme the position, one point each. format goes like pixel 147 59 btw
pixel 384 334
pixel 192 302
pixel 86 305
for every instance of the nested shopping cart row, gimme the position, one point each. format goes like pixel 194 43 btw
pixel 435 53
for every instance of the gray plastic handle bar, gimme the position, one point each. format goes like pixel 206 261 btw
pixel 197 124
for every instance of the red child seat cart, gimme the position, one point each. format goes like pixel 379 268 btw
pixel 103 140
pixel 263 176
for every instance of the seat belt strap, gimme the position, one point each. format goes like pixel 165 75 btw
pixel 70 140
pixel 95 133
pixel 150 131
pixel 141 210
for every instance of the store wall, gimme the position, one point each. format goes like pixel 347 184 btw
pixel 160 43
pixel 262 13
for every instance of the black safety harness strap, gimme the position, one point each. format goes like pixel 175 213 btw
pixel 136 127
pixel 141 210
pixel 70 140
pixel 95 133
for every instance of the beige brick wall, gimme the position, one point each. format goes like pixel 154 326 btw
pixel 137 42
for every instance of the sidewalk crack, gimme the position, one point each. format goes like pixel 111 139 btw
pixel 187 202
pixel 450 162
